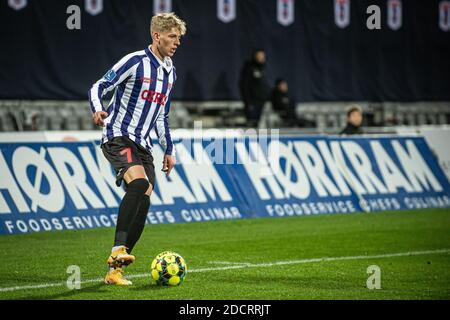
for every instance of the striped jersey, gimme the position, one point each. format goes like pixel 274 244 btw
pixel 141 101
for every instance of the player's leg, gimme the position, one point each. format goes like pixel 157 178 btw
pixel 136 186
pixel 123 155
pixel 139 221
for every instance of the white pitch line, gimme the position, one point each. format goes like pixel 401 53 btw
pixel 246 265
pixel 230 263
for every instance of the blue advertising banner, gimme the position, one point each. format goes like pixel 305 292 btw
pixel 305 176
pixel 64 186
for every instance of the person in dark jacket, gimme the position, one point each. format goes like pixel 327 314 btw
pixel 253 87
pixel 354 120
pixel 283 104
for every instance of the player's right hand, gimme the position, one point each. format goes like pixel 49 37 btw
pixel 98 118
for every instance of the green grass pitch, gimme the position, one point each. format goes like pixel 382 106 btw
pixel 264 258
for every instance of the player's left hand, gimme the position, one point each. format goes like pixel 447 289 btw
pixel 168 164
pixel 98 118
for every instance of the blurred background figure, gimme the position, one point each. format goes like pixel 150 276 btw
pixel 354 120
pixel 284 105
pixel 253 87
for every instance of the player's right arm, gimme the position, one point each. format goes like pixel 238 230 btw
pixel 115 76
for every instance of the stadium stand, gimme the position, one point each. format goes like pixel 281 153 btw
pixel 328 117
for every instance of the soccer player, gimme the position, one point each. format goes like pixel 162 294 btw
pixel 143 83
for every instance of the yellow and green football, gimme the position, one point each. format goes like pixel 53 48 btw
pixel 168 269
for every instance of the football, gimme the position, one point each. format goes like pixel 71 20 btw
pixel 168 269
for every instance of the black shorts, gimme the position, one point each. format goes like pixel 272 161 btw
pixel 123 153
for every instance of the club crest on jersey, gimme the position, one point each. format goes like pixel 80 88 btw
pixel 342 13
pixel 444 15
pixel 226 10
pixel 93 7
pixel 162 6
pixel 394 14
pixel 285 12
pixel 17 4
pixel 110 75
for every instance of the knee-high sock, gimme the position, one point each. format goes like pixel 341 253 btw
pixel 138 224
pixel 128 209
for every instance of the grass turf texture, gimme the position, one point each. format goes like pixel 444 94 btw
pixel 43 258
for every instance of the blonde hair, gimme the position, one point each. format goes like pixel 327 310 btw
pixel 164 22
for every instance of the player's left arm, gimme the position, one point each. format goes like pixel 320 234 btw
pixel 163 132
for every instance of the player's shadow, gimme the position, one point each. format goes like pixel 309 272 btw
pixel 95 288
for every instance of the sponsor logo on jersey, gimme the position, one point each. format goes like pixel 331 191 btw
pixel 146 80
pixel 152 96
